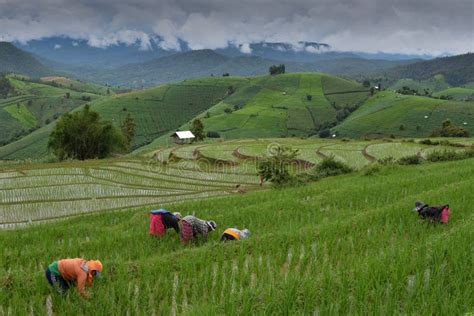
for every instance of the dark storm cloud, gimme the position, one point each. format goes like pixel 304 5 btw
pixel 391 26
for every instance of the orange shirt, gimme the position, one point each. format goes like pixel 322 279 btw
pixel 233 233
pixel 71 270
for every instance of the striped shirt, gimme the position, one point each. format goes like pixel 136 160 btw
pixel 200 227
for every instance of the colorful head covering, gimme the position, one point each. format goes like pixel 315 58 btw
pixel 93 265
pixel 212 225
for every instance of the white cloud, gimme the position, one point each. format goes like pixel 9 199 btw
pixel 245 48
pixel 403 26
pixel 57 46
pixel 167 31
pixel 127 37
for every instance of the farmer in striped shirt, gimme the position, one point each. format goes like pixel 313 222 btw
pixel 192 227
pixel 234 234
pixel 66 272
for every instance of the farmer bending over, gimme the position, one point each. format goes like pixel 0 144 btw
pixel 234 234
pixel 64 273
pixel 161 220
pixel 192 227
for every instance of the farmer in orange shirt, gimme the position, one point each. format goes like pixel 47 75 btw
pixel 64 273
pixel 234 234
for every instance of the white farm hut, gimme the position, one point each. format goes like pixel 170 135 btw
pixel 182 137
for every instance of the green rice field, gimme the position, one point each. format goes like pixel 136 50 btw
pixel 344 245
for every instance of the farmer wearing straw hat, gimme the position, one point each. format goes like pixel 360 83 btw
pixel 192 227
pixel 234 234
pixel 161 220
pixel 64 273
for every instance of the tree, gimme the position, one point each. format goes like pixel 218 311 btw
pixel 197 128
pixel 5 87
pixel 325 133
pixel 372 90
pixel 274 167
pixel 447 123
pixel 68 95
pixel 128 130
pixel 83 135
pixel 276 70
pixel 366 84
pixel 212 134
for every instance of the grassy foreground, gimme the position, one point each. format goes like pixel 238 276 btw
pixel 344 245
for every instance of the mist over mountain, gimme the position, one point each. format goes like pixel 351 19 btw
pixel 73 52
pixel 79 53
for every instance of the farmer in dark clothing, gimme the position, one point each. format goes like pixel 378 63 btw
pixel 438 213
pixel 193 227
pixel 161 220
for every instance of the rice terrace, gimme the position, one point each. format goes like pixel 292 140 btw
pixel 258 158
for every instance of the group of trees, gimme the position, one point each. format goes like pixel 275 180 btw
pixel 84 135
pixel 407 90
pixel 448 129
pixel 276 165
pixel 277 69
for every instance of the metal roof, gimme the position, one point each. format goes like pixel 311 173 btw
pixel 184 134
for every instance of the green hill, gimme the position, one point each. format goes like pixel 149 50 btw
pixel 79 85
pixel 457 70
pixel 431 85
pixel 13 59
pixel 436 87
pixel 344 245
pixel 155 112
pixel 288 105
pixel 388 113
pixel 35 103
pixel 294 104
pixel 238 107
pixel 457 93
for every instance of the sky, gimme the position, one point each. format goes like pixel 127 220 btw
pixel 403 26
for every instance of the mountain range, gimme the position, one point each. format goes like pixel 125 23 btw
pixel 202 63
pixel 78 52
pixel 128 66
